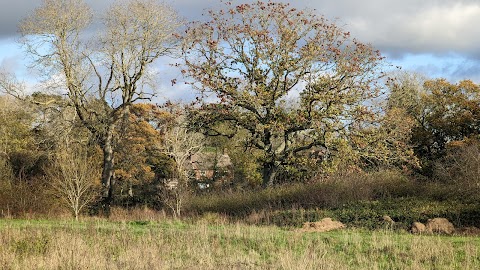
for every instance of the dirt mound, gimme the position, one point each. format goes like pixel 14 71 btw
pixel 439 225
pixel 388 220
pixel 417 227
pixel 324 225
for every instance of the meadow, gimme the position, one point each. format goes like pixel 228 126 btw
pixel 212 243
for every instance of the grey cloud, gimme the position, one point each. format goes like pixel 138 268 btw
pixel 12 12
pixel 397 28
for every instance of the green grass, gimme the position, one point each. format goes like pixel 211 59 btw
pixel 170 244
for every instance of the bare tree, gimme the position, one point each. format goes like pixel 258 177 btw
pixel 180 144
pixel 103 78
pixel 73 179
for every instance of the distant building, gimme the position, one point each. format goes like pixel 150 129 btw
pixel 206 170
pixel 211 168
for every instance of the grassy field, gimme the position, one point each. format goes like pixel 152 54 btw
pixel 100 244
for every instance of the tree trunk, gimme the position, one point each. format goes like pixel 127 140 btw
pixel 108 177
pixel 269 174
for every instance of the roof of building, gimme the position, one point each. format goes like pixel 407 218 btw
pixel 208 161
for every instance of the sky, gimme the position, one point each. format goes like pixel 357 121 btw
pixel 438 38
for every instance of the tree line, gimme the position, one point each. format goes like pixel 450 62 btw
pixel 288 94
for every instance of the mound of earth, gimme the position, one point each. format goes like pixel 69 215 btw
pixel 388 220
pixel 324 225
pixel 417 227
pixel 439 225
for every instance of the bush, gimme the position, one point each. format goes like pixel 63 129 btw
pixel 368 214
pixel 358 200
pixel 460 169
pixel 332 192
pixel 27 199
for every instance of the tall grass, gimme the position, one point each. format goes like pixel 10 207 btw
pixel 332 192
pixel 201 245
pixel 359 200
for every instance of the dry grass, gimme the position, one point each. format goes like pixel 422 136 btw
pixel 172 244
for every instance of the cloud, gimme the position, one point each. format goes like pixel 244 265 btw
pixel 395 27
pixel 467 69
pixel 410 26
pixel 163 73
pixel 452 67
pixel 9 64
pixel 12 12
pixel 400 29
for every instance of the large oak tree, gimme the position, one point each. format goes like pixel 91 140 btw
pixel 249 61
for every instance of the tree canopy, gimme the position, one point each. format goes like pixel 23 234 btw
pixel 249 61
pixel 443 113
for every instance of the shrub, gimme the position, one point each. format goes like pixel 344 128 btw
pixel 368 214
pixel 460 169
pixel 27 199
pixel 358 200
pixel 332 192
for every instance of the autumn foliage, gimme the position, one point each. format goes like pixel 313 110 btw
pixel 286 95
pixel 290 78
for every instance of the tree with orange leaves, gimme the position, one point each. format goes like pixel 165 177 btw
pixel 443 112
pixel 140 162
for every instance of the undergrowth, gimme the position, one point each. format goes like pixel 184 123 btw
pixel 359 201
